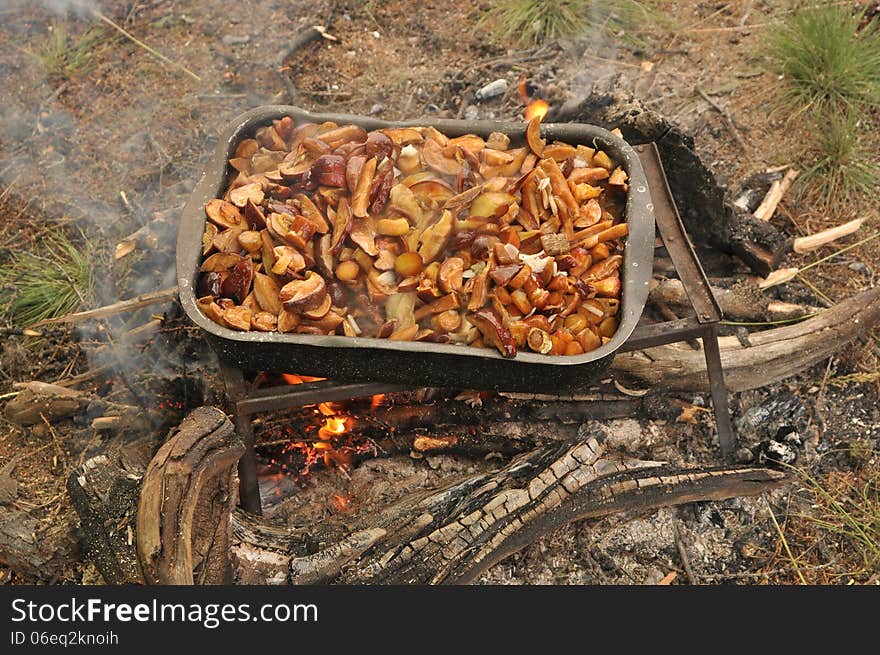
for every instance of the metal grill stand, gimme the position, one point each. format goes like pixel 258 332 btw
pixel 245 401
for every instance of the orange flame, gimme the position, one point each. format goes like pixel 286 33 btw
pixel 537 108
pixel 291 378
pixel 339 502
pixel 377 400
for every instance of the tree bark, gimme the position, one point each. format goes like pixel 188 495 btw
pixel 187 495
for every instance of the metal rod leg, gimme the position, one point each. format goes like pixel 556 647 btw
pixel 719 391
pixel 248 484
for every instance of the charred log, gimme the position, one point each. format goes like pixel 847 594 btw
pixel 454 534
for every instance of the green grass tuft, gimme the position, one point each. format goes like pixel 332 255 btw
pixel 63 55
pixel 537 21
pixel 53 282
pixel 844 167
pixel 825 60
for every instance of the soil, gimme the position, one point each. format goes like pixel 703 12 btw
pixel 98 149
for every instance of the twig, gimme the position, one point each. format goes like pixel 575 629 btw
pixel 819 239
pixel 728 121
pixel 143 45
pixel 143 300
pixel 771 201
pixel 785 543
pixel 682 553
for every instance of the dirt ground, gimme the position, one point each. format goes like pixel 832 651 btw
pixel 123 135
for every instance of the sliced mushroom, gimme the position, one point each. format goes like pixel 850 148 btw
pixel 311 213
pixel 288 261
pixel 227 240
pixel 221 261
pixel 342 224
pixel 434 238
pixel 533 136
pixel 208 238
pixel 402 136
pixel 237 318
pixel 360 198
pixel 490 326
pixel 264 322
pixel 252 192
pixel 329 170
pixel 302 295
pixel 320 311
pixel 223 213
pixel 266 292
pixel 363 234
pixel 237 284
pixel 449 277
pixel 400 308
pixel 378 145
pixel 434 157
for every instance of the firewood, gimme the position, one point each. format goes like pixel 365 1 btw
pixel 143 300
pixel 741 302
pixel 39 400
pixel 773 355
pixel 819 239
pixel 455 533
pixel 185 501
pixel 778 189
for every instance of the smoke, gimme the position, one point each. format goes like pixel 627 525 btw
pixel 79 8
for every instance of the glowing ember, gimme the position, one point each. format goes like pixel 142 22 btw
pixel 339 502
pixel 538 108
pixel 291 378
pixel 326 409
pixel 377 400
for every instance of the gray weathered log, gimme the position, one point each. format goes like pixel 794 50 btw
pixel 772 355
pixel 187 495
pixel 453 534
pixel 742 301
pixel 40 399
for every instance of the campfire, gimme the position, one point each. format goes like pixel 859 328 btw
pixel 541 451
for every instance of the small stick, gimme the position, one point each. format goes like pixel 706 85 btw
pixel 682 553
pixel 819 239
pixel 143 45
pixel 771 201
pixel 143 300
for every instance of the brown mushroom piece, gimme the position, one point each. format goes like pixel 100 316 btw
pixel 266 292
pixel 237 284
pixel 533 136
pixel 252 192
pixel 305 294
pixel 434 238
pixel 329 170
pixel 490 326
pixel 450 275
pixel 223 213
pixel 264 321
pixel 238 318
pixel 360 197
pixel 342 223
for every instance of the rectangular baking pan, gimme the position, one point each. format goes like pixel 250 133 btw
pixel 360 359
